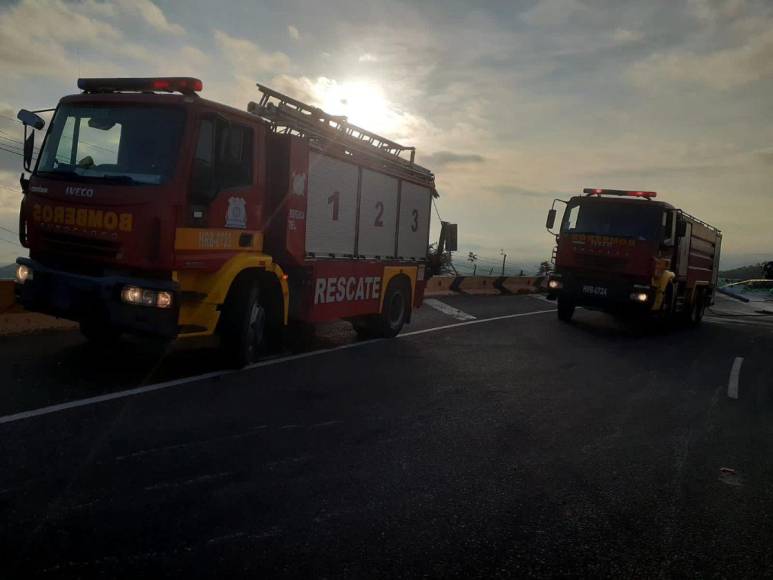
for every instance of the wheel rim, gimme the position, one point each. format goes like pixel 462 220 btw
pixel 396 309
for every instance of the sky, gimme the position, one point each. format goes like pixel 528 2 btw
pixel 510 103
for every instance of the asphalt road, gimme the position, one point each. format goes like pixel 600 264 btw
pixel 509 447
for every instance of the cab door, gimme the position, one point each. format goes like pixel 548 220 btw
pixel 225 190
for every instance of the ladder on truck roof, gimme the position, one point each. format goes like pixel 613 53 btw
pixel 288 115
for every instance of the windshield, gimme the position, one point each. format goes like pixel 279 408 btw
pixel 626 220
pixel 130 144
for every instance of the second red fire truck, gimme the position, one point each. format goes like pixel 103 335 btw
pixel 152 210
pixel 622 252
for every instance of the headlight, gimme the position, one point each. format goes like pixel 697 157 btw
pixel 131 295
pixel 23 273
pixel 164 299
pixel 143 297
pixel 639 296
pixel 554 284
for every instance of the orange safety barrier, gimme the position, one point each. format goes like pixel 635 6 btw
pixel 479 285
pixel 521 284
pixel 439 286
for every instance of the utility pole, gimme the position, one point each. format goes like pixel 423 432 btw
pixel 504 259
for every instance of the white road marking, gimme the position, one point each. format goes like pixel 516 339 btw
pixel 216 374
pixel 759 322
pixel 478 321
pixel 735 373
pixel 449 310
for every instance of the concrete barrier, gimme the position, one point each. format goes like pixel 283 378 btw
pixel 483 285
pixel 7 298
pixel 520 285
pixel 439 286
pixel 476 285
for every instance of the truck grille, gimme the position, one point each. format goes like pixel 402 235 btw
pixel 80 246
pixel 604 262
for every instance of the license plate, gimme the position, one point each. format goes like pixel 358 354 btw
pixel 594 290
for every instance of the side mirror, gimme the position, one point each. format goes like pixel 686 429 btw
pixel 551 221
pixel 681 228
pixel 30 119
pixel 29 148
pixel 451 238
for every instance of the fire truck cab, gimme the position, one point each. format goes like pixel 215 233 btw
pixel 624 253
pixel 151 210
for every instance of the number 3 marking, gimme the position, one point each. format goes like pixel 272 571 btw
pixel 415 224
pixel 380 207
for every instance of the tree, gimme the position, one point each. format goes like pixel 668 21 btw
pixel 442 264
pixel 472 258
pixel 545 268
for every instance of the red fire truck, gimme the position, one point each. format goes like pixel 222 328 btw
pixel 151 210
pixel 621 252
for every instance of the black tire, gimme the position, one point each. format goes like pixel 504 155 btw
pixel 697 310
pixel 565 310
pixel 98 333
pixel 394 312
pixel 243 324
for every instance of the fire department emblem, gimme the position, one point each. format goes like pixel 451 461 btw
pixel 236 216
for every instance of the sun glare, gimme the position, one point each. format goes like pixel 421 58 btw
pixel 364 104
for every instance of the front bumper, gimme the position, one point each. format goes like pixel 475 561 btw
pixel 79 297
pixel 610 295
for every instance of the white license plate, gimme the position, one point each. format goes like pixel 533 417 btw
pixel 594 290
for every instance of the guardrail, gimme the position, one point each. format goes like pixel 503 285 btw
pixel 483 285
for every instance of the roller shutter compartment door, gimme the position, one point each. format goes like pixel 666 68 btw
pixel 332 206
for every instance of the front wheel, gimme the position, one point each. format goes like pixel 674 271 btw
pixel 565 310
pixel 243 325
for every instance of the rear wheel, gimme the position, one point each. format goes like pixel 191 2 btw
pixel 395 309
pixel 565 310
pixel 697 309
pixel 243 324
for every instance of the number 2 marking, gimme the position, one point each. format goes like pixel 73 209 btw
pixel 380 207
pixel 415 224
pixel 334 200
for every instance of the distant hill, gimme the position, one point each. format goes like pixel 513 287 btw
pixel 8 272
pixel 743 273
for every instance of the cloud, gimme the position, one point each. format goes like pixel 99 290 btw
pixel 293 32
pixel 748 60
pixel 150 14
pixel 514 190
pixel 626 36
pixel 85 38
pixel 247 58
pixel 443 158
pixel 367 57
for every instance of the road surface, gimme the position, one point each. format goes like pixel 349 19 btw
pixel 503 445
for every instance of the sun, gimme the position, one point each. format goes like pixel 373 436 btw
pixel 364 104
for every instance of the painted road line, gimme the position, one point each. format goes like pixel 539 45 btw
pixel 735 373
pixel 750 321
pixel 216 374
pixel 449 310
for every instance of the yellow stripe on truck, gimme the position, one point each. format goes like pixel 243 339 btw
pixel 209 239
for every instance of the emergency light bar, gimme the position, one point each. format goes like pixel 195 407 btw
pixel 185 85
pixel 621 192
